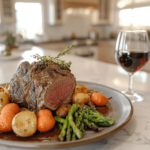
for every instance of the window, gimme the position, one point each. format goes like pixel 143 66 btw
pixel 29 21
pixel 137 17
pixel 134 13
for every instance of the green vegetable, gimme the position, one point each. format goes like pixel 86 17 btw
pixel 60 126
pixel 68 134
pixel 91 125
pixel 101 120
pixel 63 131
pixel 71 122
pixel 58 119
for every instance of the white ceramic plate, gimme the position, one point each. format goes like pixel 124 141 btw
pixel 121 111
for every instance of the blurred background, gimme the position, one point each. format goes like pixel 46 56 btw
pixel 91 25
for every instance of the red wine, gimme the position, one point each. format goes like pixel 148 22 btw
pixel 132 61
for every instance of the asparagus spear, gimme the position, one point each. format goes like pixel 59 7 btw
pixel 71 122
pixel 68 133
pixel 60 126
pixel 108 120
pixel 76 117
pixel 58 119
pixel 73 136
pixel 76 120
pixel 100 120
pixel 91 125
pixel 63 131
pixel 82 128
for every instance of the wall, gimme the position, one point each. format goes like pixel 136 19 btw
pixel 79 24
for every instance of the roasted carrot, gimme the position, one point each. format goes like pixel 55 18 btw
pixel 99 99
pixel 45 120
pixel 7 115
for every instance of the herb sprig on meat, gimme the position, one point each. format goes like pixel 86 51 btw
pixel 55 59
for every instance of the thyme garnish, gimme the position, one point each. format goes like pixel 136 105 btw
pixel 55 59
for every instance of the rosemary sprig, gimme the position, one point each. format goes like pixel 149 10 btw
pixel 55 59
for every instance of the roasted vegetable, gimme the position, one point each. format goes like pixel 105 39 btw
pixel 7 115
pixel 98 118
pixel 45 120
pixel 71 122
pixel 80 98
pixel 24 124
pixel 99 99
pixel 63 131
pixel 4 100
pixel 62 111
pixel 81 89
pixel 60 120
pixel 91 125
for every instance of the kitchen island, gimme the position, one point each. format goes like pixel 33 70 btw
pixel 135 134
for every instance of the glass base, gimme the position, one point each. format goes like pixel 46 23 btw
pixel 134 97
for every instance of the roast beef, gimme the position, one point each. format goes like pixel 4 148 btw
pixel 37 86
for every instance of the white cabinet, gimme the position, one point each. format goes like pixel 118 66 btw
pixel 105 13
pixel 7 11
pixel 55 12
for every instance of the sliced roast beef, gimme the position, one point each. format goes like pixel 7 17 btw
pixel 37 86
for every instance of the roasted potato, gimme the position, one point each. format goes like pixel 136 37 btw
pixel 62 111
pixel 24 124
pixel 67 106
pixel 80 98
pixel 81 89
pixel 4 99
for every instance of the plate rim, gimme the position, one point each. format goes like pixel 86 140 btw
pixel 68 144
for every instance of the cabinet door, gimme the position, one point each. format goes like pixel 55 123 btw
pixel 55 12
pixel 7 11
pixel 105 13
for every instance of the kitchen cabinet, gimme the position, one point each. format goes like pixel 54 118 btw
pixel 105 13
pixel 7 11
pixel 55 12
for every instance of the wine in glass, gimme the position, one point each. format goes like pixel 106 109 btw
pixel 132 53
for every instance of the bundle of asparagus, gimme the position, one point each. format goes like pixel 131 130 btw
pixel 73 125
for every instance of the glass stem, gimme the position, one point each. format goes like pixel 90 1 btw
pixel 130 82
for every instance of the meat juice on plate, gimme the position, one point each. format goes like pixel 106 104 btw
pixel 132 61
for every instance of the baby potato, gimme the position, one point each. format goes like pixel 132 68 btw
pixel 24 124
pixel 62 111
pixel 4 100
pixel 81 98
pixel 81 89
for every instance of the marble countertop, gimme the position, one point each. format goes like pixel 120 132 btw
pixel 134 135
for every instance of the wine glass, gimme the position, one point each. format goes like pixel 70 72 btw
pixel 132 53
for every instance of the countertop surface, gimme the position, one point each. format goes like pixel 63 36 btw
pixel 136 133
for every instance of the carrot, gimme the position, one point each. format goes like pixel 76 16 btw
pixel 99 99
pixel 7 115
pixel 45 120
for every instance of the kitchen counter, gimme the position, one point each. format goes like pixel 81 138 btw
pixel 134 135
